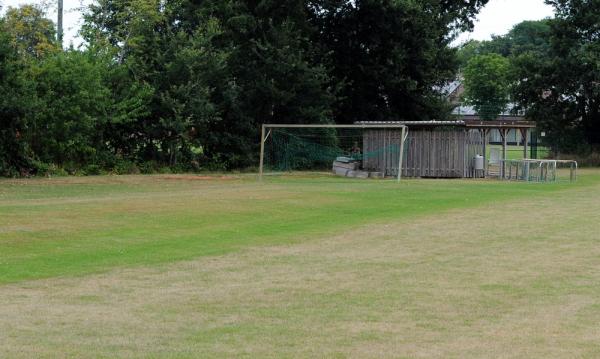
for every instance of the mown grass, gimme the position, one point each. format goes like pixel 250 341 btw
pixel 75 226
pixel 516 152
pixel 306 267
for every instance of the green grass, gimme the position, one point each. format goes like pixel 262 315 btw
pixel 72 226
pixel 298 267
pixel 516 152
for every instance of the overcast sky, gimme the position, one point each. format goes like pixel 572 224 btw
pixel 497 17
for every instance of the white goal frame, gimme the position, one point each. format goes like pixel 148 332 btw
pixel 264 135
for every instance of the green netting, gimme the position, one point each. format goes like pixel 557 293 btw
pixel 311 149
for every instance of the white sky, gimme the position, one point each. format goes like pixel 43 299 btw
pixel 71 16
pixel 497 17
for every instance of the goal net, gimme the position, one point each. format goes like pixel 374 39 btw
pixel 534 170
pixel 360 151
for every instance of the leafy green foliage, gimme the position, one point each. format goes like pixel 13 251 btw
pixel 553 76
pixel 272 76
pixel 525 37
pixel 467 51
pixel 174 66
pixel 558 84
pixel 72 110
pixel 388 56
pixel 186 84
pixel 30 31
pixel 15 97
pixel 487 84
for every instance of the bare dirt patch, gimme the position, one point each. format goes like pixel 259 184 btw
pixel 199 178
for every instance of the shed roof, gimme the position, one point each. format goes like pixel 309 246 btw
pixel 481 124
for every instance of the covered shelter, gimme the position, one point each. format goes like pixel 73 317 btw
pixel 441 149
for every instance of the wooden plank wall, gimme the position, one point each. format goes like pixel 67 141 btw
pixel 381 149
pixel 441 153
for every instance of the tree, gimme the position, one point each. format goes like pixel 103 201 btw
pixel 75 109
pixel 15 99
pixel 185 82
pixel 389 56
pixel 275 76
pixel 525 37
pixel 487 84
pixel 217 69
pixel 529 37
pixel 173 61
pixel 560 89
pixel 467 51
pixel 30 31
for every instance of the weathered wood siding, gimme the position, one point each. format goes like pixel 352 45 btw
pixel 442 153
pixel 381 149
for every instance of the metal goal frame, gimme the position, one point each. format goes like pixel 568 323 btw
pixel 547 170
pixel 267 128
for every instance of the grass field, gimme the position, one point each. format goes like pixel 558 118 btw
pixel 298 266
pixel 516 152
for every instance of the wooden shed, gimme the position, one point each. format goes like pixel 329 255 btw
pixel 439 149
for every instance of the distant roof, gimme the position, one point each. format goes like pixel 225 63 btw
pixel 466 110
pixel 449 88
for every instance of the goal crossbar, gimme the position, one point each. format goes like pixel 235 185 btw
pixel 264 136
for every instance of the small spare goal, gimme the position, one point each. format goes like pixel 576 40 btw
pixel 534 170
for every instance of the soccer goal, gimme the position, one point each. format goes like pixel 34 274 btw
pixel 358 150
pixel 534 170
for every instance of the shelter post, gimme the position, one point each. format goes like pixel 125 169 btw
pixel 525 134
pixel 484 134
pixel 504 134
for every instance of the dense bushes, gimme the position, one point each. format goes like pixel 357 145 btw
pixel 185 85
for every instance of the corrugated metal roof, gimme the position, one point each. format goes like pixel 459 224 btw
pixel 413 123
pixel 502 123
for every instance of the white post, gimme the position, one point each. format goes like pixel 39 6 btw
pixel 401 153
pixel 262 153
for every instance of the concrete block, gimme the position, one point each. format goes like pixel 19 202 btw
pixel 362 174
pixel 338 171
pixel 348 165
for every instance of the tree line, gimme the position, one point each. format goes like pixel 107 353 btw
pixel 548 69
pixel 185 85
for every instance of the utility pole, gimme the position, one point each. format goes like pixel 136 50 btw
pixel 59 33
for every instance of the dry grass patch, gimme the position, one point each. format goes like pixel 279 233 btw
pixel 516 280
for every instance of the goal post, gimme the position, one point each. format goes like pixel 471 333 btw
pixel 378 148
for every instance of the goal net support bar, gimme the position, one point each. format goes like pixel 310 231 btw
pixel 267 132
